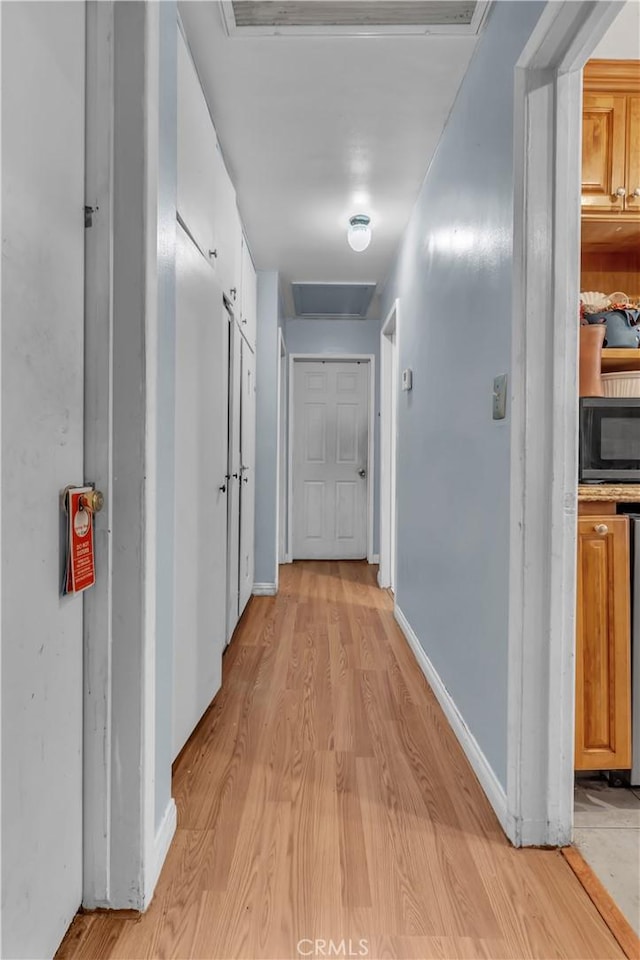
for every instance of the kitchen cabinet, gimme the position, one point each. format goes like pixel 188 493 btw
pixel 603 642
pixel 249 298
pixel 611 140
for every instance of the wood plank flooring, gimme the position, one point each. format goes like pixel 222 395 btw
pixel 324 798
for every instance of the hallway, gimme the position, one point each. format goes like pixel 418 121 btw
pixel 323 797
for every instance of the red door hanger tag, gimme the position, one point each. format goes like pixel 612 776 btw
pixel 80 567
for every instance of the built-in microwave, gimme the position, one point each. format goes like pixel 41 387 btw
pixel 610 439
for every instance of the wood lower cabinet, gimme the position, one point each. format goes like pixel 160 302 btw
pixel 603 645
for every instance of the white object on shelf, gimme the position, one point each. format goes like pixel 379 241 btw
pixel 624 383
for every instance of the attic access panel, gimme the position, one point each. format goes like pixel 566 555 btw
pixel 352 17
pixel 332 300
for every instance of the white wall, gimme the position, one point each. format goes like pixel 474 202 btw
pixel 622 39
pixel 453 276
pixel 267 360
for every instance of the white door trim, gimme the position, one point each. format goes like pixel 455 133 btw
pixel 547 177
pixel 388 433
pixel 122 848
pixel 335 358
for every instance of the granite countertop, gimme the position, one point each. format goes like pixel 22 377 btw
pixel 617 492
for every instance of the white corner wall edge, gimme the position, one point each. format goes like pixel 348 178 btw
pixel 163 838
pixel 495 792
pixel 264 590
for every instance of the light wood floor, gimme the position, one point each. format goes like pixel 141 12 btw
pixel 324 797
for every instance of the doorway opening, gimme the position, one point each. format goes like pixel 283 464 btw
pixel 388 435
pixel 544 422
pixel 331 457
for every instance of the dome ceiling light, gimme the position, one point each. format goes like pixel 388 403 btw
pixel 359 232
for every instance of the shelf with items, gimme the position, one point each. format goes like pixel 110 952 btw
pixel 616 359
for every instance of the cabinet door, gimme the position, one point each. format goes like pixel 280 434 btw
pixel 632 200
pixel 603 153
pixel 247 472
pixel 603 645
pixel 196 153
pixel 228 232
pixel 248 300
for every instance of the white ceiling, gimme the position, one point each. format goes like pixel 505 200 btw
pixel 317 129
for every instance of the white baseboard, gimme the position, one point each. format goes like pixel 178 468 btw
pixel 264 589
pixel 374 558
pixel 483 770
pixel 164 836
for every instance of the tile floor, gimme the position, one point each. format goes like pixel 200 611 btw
pixel 607 834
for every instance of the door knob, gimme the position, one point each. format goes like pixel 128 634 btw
pixel 93 502
pixel 601 528
pixel 621 192
pixel 362 472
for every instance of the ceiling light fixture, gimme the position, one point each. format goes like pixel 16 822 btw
pixel 359 232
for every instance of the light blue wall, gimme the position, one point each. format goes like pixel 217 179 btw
pixel 165 402
pixel 343 336
pixel 267 355
pixel 453 277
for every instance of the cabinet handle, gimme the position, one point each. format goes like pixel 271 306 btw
pixel 621 192
pixel 636 192
pixel 222 488
pixel 601 528
pixel 234 292
pixel 214 254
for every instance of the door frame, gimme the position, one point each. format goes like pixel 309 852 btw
pixel 388 446
pixel 282 555
pixel 125 835
pixel 334 358
pixel 538 805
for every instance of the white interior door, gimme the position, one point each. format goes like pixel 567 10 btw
pixel 201 498
pixel 330 459
pixel 247 472
pixel 43 148
pixel 233 472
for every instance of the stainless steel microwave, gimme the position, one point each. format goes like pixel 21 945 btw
pixel 610 439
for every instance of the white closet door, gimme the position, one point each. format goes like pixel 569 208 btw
pixel 247 488
pixel 330 456
pixel 233 469
pixel 197 153
pixel 201 499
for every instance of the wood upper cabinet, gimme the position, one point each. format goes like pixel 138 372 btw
pixel 633 155
pixel 611 140
pixel 603 645
pixel 603 152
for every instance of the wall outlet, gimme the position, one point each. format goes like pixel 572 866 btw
pixel 500 397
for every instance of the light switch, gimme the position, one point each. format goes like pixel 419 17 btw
pixel 407 379
pixel 500 397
